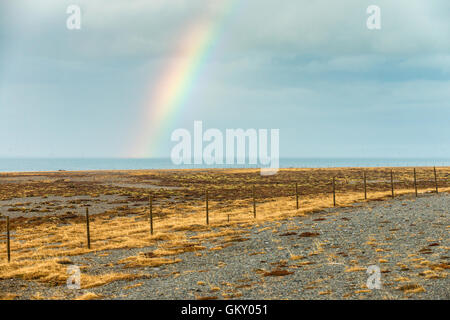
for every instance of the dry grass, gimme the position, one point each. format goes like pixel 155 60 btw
pixel 411 288
pixel 355 269
pixel 142 261
pixel 277 273
pixel 327 292
pixel 8 296
pixel 363 291
pixel 89 296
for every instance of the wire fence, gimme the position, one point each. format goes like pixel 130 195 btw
pixel 258 193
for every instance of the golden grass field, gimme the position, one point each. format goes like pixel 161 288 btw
pixel 41 244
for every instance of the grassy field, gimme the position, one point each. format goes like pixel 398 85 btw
pixel 48 226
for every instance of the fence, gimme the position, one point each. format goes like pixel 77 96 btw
pixel 293 190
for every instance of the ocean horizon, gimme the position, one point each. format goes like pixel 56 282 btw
pixel 80 164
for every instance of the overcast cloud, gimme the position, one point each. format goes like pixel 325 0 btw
pixel 310 68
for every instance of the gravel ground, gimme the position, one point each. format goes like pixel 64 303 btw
pixel 404 237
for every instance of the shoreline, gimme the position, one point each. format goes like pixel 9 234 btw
pixel 34 165
pixel 63 171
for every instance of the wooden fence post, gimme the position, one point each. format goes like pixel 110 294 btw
pixel 88 235
pixel 415 182
pixel 8 245
pixel 365 186
pixel 207 207
pixel 435 180
pixel 151 214
pixel 254 202
pixel 334 191
pixel 392 183
pixel 296 193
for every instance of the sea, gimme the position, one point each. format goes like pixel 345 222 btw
pixel 71 164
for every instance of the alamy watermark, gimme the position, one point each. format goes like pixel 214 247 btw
pixel 73 21
pixel 374 280
pixel 374 20
pixel 74 278
pixel 236 146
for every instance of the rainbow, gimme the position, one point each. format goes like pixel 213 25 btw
pixel 172 89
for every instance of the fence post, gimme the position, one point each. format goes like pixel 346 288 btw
pixel 435 179
pixel 8 245
pixel 296 193
pixel 88 235
pixel 415 182
pixel 207 207
pixel 334 191
pixel 392 183
pixel 254 202
pixel 151 214
pixel 365 186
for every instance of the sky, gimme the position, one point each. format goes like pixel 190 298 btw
pixel 311 69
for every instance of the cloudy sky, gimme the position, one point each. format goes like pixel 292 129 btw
pixel 309 68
